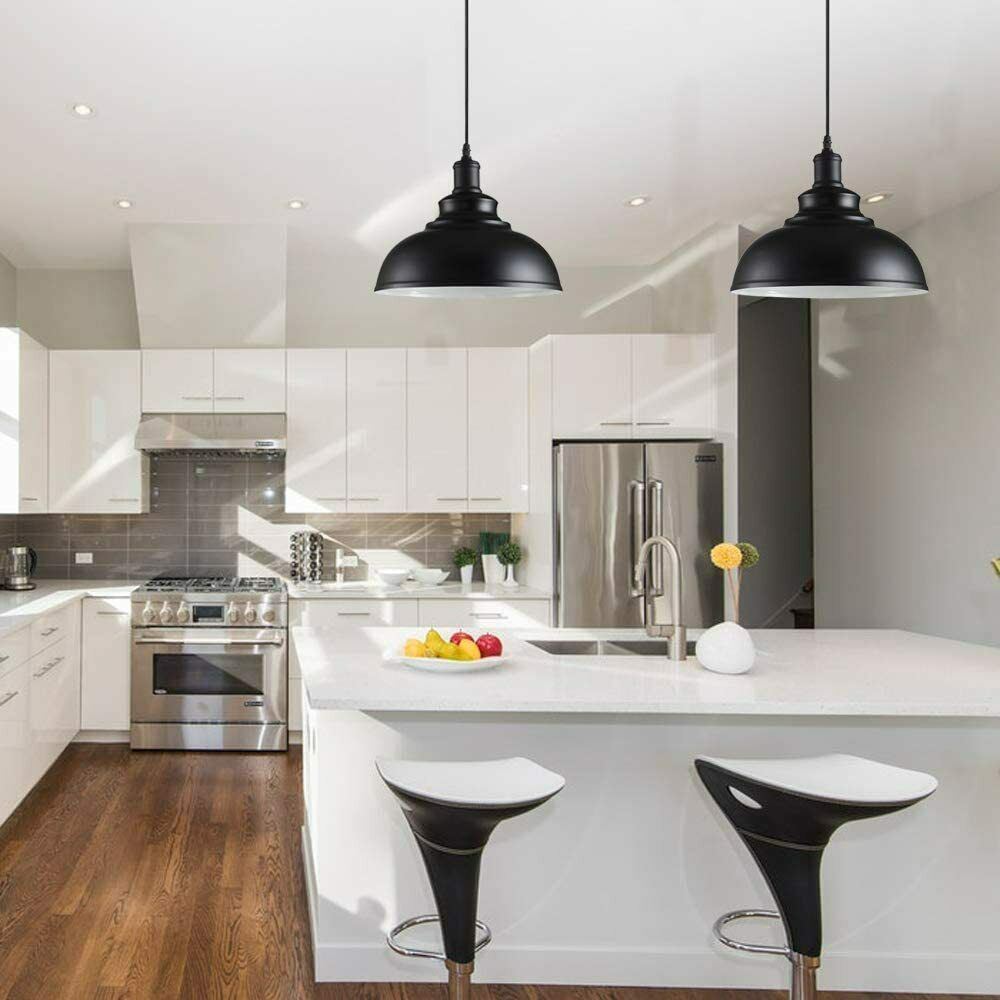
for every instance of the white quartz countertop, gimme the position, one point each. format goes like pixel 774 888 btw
pixel 19 607
pixel 863 672
pixel 413 591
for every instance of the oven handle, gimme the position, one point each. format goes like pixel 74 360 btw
pixel 209 642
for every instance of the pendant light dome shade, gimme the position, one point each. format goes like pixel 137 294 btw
pixel 468 251
pixel 829 249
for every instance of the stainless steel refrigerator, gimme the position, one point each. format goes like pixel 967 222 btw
pixel 609 497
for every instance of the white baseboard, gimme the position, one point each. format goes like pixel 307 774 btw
pixel 102 736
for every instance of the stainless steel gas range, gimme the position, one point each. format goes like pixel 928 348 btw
pixel 210 664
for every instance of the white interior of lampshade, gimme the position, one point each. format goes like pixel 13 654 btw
pixel 469 291
pixel 830 291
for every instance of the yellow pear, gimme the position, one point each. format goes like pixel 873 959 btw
pixel 449 651
pixel 434 642
pixel 469 650
pixel 415 648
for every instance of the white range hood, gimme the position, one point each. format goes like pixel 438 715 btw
pixel 212 432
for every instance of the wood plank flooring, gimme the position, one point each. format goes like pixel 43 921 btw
pixel 177 875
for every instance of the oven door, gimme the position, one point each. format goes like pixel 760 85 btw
pixel 209 675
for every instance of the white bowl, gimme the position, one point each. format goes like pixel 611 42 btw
pixel 393 577
pixel 430 576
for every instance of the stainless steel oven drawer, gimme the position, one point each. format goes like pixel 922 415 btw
pixel 209 736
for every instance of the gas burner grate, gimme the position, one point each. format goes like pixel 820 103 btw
pixel 215 584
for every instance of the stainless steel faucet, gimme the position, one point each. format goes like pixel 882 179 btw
pixel 676 634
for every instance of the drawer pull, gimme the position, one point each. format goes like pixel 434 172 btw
pixel 341 499
pixel 50 631
pixel 43 671
pixel 488 614
pixel 353 614
pixel 653 423
pixel 230 398
pixel 494 499
pixel 4 659
pixel 616 423
pixel 113 612
pixel 199 398
pixel 123 499
pixel 9 696
pixel 365 499
pixel 31 499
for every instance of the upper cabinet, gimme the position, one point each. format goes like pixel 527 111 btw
pixel 250 381
pixel 316 459
pixel 224 381
pixel 94 409
pixel 177 381
pixel 376 429
pixel 24 371
pixel 498 429
pixel 591 386
pixel 657 385
pixel 437 429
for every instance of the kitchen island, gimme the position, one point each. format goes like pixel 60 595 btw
pixel 619 878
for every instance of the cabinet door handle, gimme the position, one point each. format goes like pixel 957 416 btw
pixel 32 499
pixel 198 398
pixel 616 423
pixel 453 498
pixel 4 659
pixel 488 614
pixel 50 631
pixel 353 614
pixel 371 499
pixel 653 423
pixel 486 498
pixel 43 671
pixel 9 696
pixel 123 499
pixel 335 498
pixel 55 662
pixel 114 612
pixel 230 397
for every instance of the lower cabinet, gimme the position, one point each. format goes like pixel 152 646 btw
pixel 107 637
pixel 55 705
pixel 485 614
pixel 15 741
pixel 353 612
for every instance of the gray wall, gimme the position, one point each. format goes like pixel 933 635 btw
pixel 906 421
pixel 775 461
pixel 8 293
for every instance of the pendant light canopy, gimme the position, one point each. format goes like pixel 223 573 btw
pixel 468 251
pixel 829 249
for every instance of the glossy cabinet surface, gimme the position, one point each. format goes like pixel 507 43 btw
pixel 484 614
pixel 15 741
pixel 353 611
pixel 105 676
pixel 673 385
pixel 437 429
pixel 591 386
pixel 316 458
pixel 177 381
pixel 24 415
pixel 94 410
pixel 376 429
pixel 249 380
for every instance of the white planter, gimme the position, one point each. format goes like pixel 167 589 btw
pixel 726 648
pixel 466 573
pixel 509 582
pixel 492 570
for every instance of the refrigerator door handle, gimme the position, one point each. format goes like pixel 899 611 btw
pixel 656 528
pixel 637 512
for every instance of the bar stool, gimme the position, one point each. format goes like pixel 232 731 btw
pixel 785 811
pixel 452 808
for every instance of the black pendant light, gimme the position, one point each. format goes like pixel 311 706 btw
pixel 829 249
pixel 468 251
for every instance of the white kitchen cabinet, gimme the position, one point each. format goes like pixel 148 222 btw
pixel 24 381
pixel 437 440
pixel 591 386
pixel 376 429
pixel 351 611
pixel 54 705
pixel 316 456
pixel 105 676
pixel 498 429
pixel 176 381
pixel 484 614
pixel 673 385
pixel 249 380
pixel 15 738
pixel 94 410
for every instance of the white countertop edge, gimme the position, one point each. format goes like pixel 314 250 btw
pixel 442 592
pixel 19 608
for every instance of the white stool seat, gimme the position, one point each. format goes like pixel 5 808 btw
pixel 473 784
pixel 834 778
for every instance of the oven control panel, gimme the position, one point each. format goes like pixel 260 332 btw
pixel 235 611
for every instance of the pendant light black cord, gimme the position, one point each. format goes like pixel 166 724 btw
pixel 827 141
pixel 466 149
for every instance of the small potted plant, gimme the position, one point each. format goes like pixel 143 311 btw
pixel 727 648
pixel 509 554
pixel 465 558
pixel 489 545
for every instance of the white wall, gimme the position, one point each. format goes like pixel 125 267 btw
pixel 906 415
pixel 66 309
pixel 8 293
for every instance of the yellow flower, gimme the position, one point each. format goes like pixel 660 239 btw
pixel 725 555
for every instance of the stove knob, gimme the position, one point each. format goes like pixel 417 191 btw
pixel 250 614
pixel 148 614
pixel 166 614
pixel 268 615
pixel 183 614
pixel 233 614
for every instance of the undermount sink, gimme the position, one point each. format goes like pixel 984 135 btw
pixel 605 647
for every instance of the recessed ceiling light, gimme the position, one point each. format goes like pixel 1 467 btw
pixel 874 199
pixel 638 200
pixel 296 203
pixel 123 203
pixel 83 111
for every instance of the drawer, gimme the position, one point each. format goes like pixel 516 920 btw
pixel 354 612
pixel 14 738
pixel 15 648
pixel 13 697
pixel 52 627
pixel 485 614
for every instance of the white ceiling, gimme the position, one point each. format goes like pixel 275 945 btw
pixel 220 112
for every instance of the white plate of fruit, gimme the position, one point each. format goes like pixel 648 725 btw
pixel 461 653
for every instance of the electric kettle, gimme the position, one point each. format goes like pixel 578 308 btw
pixel 19 563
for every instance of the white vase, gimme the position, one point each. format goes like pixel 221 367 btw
pixel 492 570
pixel 509 582
pixel 466 573
pixel 726 648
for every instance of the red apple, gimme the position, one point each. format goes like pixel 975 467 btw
pixel 489 645
pixel 459 636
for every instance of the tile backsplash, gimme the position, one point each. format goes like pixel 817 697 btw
pixel 225 515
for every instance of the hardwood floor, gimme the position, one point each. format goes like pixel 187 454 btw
pixel 178 875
